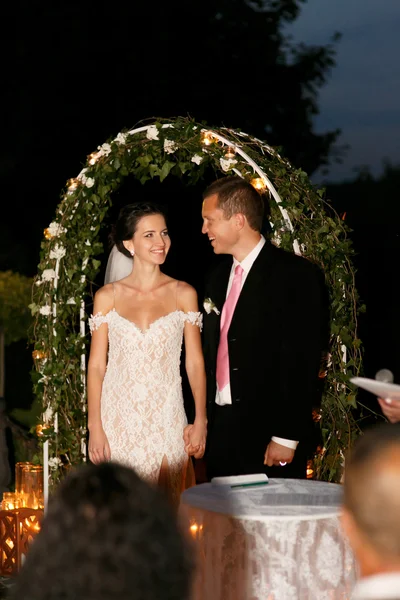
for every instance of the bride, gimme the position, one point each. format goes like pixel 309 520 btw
pixel 136 414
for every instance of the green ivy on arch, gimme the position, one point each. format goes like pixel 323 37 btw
pixel 302 220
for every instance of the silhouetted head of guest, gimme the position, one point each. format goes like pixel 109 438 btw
pixel 371 512
pixel 106 535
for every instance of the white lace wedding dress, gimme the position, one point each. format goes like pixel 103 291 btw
pixel 142 409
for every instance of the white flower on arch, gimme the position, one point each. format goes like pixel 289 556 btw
pixel 55 229
pixel 170 146
pixel 48 274
pixel 54 463
pixel 197 159
pixel 227 164
pixel 89 182
pixel 103 150
pixel 58 251
pixel 152 133
pixel 86 181
pixel 121 138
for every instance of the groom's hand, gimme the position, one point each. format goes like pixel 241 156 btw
pixel 189 448
pixel 276 454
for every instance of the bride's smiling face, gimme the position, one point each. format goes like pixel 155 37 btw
pixel 151 241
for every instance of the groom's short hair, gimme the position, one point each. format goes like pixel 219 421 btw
pixel 236 195
pixel 372 487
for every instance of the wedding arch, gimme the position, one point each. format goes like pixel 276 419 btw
pixel 302 221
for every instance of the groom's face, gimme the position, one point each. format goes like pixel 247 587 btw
pixel 221 232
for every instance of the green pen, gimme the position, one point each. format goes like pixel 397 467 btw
pixel 254 484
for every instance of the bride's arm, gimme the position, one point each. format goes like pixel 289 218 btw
pixel 99 449
pixel 195 370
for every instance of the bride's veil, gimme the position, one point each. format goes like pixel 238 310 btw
pixel 118 266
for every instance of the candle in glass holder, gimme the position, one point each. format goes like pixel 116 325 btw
pixel 23 500
pixel 19 467
pixel 10 501
pixel 32 485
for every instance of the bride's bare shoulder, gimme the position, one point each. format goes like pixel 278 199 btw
pixel 107 291
pixel 185 288
pixel 187 296
pixel 104 299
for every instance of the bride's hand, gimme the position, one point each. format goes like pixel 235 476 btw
pixel 99 448
pixel 195 438
pixel 186 435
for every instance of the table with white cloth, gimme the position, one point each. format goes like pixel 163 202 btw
pixel 280 541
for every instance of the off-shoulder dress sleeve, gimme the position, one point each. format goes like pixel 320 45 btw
pixel 96 320
pixel 194 318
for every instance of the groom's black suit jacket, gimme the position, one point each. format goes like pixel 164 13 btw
pixel 277 335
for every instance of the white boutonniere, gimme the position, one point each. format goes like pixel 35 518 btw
pixel 209 306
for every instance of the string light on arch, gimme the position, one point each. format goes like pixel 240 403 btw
pixel 207 138
pixel 93 158
pixel 72 184
pixel 39 429
pixel 258 183
pixel 230 152
pixel 38 355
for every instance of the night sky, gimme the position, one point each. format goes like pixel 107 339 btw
pixel 362 96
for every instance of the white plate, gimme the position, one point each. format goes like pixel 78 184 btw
pixel 379 388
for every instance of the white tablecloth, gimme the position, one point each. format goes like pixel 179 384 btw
pixel 282 541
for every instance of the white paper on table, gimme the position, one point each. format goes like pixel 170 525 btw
pixel 240 479
pixel 379 388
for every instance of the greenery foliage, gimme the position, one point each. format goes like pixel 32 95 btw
pixel 15 316
pixel 69 261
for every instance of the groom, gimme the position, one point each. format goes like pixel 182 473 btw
pixel 264 332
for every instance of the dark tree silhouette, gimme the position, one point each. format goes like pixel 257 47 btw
pixel 79 72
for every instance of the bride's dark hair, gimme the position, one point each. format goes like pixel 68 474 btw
pixel 128 220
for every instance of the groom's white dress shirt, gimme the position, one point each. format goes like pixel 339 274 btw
pixel 224 396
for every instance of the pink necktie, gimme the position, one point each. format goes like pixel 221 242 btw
pixel 226 318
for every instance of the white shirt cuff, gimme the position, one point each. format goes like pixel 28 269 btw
pixel 283 442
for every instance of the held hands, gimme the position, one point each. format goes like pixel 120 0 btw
pixel 391 409
pixel 194 437
pixel 276 454
pixel 99 448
